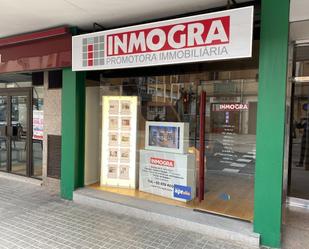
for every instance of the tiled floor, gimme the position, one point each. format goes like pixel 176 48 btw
pixel 296 230
pixel 32 218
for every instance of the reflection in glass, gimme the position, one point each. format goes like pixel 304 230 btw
pixel 3 140
pixel 19 134
pixel 37 157
pixel 38 126
pixel 230 129
pixel 300 142
pixel 17 131
pixel 230 146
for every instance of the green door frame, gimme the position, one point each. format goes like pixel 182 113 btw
pixel 271 120
pixel 73 132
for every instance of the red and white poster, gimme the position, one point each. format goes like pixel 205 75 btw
pixel 207 37
pixel 161 172
pixel 38 125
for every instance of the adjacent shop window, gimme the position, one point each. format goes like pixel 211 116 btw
pixel 142 139
pixel 14 91
pixel 298 183
pixel 38 130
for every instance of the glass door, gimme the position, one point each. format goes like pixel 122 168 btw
pixel 3 133
pixel 229 146
pixel 16 131
pixel 299 154
pixel 19 134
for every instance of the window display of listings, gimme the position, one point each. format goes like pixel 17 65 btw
pixel 150 137
pixel 119 141
pixel 166 168
pixel 167 136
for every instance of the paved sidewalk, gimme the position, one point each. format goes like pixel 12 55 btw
pixel 33 218
pixel 296 229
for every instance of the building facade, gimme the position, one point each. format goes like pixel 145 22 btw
pixel 203 112
pixel 31 78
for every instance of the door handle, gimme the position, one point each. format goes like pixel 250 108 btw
pixel 3 131
pixel 9 131
pixel 14 131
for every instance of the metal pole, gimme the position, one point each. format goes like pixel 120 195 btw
pixel 201 179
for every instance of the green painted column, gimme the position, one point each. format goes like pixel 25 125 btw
pixel 73 130
pixel 271 120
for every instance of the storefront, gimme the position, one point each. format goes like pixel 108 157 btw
pixel 182 112
pixel 145 128
pixel 30 92
pixel 205 111
pixel 152 129
pixel 170 113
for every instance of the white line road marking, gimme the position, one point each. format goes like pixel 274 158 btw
pixel 248 156
pixel 243 160
pixel 231 170
pixel 227 162
pixel 223 154
pixel 239 165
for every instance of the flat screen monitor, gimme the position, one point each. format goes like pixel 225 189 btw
pixel 167 136
pixel 164 136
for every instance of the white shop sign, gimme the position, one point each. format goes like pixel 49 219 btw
pixel 206 37
pixel 166 174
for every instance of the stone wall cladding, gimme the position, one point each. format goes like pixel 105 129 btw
pixel 52 126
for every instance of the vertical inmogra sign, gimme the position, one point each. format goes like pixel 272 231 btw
pixel 206 37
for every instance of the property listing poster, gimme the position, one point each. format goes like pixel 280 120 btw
pixel 38 124
pixel 167 174
pixel 119 127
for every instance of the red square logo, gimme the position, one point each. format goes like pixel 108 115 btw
pixel 90 47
